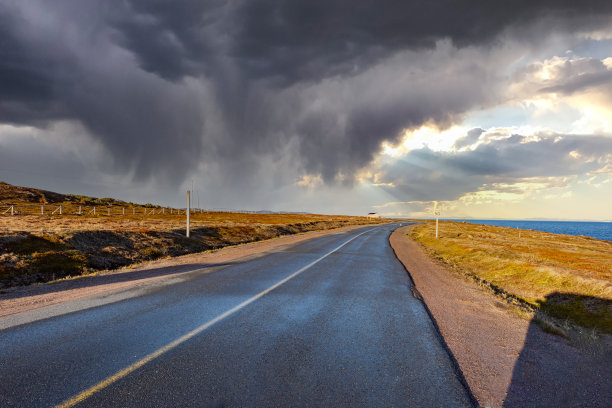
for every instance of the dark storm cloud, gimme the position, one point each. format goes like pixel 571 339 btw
pixel 165 86
pixel 308 40
pixel 29 75
pixel 424 174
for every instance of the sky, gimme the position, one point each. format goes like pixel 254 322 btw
pixel 483 109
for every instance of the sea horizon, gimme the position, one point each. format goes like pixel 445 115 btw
pixel 594 229
pixel 515 219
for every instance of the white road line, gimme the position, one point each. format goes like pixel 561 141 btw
pixel 114 378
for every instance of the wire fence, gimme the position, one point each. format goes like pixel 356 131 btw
pixel 109 211
pixel 50 209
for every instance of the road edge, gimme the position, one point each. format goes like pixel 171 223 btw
pixel 417 295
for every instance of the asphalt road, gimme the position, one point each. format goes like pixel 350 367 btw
pixel 328 322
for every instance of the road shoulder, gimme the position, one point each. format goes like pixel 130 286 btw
pixel 506 359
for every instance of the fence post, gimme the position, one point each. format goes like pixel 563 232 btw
pixel 163 210
pixel 123 209
pixel 42 210
pixel 94 211
pixel 79 210
pixel 12 210
pixel 187 212
pixel 108 213
pixel 60 210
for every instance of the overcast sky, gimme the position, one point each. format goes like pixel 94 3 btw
pixel 496 109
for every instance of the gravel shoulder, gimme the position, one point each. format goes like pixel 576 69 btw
pixel 25 304
pixel 506 359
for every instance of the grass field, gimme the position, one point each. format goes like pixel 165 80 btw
pixel 39 248
pixel 566 277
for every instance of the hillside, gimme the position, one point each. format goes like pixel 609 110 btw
pixel 37 247
pixel 25 197
pixel 10 194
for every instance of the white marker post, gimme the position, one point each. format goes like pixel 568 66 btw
pixel 437 214
pixel 188 211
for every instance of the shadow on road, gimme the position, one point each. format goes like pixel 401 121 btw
pixel 553 371
pixel 96 280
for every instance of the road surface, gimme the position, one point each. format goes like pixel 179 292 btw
pixel 328 322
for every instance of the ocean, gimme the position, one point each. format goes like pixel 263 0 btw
pixel 599 230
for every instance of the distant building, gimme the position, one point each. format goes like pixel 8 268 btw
pixel 373 215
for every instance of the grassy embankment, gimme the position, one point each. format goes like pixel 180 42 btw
pixel 40 248
pixel 565 277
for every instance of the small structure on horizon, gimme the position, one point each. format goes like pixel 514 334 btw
pixel 373 215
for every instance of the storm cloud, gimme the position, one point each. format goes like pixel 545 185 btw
pixel 169 87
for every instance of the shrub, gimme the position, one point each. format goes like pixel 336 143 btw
pixel 33 244
pixel 59 263
pixel 152 253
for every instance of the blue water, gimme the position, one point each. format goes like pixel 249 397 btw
pixel 599 230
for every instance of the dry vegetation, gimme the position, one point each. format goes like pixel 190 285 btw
pixel 39 248
pixel 565 277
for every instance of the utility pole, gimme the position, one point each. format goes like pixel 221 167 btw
pixel 188 211
pixel 198 194
pixel 437 214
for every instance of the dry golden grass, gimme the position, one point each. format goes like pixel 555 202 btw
pixel 158 222
pixel 565 276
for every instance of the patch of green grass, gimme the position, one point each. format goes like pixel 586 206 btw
pixel 577 310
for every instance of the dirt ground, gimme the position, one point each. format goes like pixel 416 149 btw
pixel 506 359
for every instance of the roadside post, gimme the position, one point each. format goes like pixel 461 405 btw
pixel 437 214
pixel 188 211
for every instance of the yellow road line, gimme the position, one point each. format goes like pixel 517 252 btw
pixel 116 377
